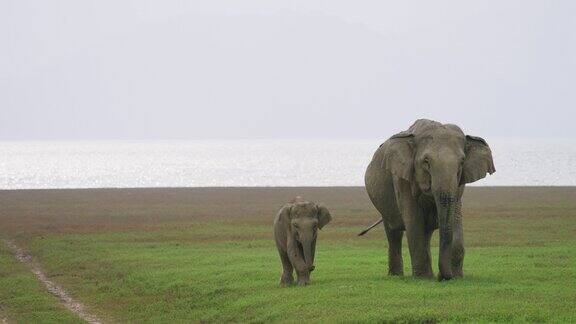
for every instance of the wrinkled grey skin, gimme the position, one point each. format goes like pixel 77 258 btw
pixel 416 180
pixel 295 230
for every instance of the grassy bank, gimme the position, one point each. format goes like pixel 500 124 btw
pixel 155 255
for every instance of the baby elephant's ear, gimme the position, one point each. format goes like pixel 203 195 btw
pixel 324 216
pixel 284 213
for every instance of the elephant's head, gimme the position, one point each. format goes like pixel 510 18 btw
pixel 305 219
pixel 437 162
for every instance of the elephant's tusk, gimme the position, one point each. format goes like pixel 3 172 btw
pixel 369 228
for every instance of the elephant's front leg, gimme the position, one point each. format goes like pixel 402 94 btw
pixel 416 233
pixel 419 245
pixel 287 270
pixel 297 261
pixel 458 244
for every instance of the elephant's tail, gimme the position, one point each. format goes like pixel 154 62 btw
pixel 369 228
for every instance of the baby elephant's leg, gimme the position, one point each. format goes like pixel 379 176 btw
pixel 286 278
pixel 303 277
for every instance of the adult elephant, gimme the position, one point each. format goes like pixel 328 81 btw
pixel 416 180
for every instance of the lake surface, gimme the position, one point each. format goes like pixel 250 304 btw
pixel 34 165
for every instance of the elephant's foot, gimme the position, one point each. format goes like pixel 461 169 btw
pixel 303 282
pixel 286 279
pixel 457 273
pixel 423 272
pixel 395 272
pixel 303 279
pixel 395 265
pixel 396 268
pixel 444 278
pixel 457 266
pixel 424 275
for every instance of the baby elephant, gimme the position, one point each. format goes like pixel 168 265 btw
pixel 295 230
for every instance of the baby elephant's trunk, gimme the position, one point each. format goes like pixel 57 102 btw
pixel 309 247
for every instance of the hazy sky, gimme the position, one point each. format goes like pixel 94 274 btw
pixel 169 69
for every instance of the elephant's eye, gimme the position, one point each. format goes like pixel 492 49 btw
pixel 295 225
pixel 426 162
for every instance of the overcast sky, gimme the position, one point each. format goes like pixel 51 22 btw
pixel 169 69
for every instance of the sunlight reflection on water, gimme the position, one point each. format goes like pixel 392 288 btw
pixel 27 165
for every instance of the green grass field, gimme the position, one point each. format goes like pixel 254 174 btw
pixel 207 255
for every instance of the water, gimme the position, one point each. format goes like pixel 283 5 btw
pixel 28 165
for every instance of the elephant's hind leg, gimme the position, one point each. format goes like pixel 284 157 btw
pixel 395 264
pixel 287 278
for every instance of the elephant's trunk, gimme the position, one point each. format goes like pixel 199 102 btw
pixel 445 206
pixel 309 247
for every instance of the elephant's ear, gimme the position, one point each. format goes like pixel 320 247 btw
pixel 478 160
pixel 324 216
pixel 399 155
pixel 284 213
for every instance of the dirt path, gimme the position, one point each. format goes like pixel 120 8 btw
pixel 73 305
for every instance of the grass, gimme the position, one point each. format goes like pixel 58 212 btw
pixel 23 299
pixel 207 255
